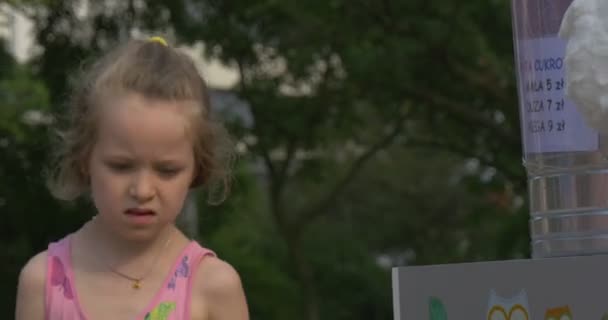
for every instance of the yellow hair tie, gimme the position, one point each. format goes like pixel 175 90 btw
pixel 159 40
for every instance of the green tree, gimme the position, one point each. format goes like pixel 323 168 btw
pixel 330 86
pixel 31 218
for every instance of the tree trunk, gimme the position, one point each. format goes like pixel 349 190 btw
pixel 304 275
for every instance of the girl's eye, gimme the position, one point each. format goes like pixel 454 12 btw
pixel 168 172
pixel 120 167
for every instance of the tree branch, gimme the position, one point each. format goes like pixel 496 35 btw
pixel 487 81
pixel 465 113
pixel 391 26
pixel 308 215
pixel 276 175
pixel 466 151
pixel 284 169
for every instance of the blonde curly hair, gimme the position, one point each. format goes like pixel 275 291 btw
pixel 155 71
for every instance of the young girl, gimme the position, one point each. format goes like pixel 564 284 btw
pixel 139 138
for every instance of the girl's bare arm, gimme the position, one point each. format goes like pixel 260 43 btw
pixel 30 291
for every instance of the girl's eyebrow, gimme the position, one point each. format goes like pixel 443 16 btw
pixel 114 156
pixel 171 162
pixel 118 156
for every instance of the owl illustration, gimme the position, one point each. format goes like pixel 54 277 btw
pixel 512 308
pixel 560 313
pixel 436 309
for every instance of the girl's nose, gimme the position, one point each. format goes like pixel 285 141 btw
pixel 142 188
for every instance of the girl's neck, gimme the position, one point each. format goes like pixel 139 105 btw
pixel 118 250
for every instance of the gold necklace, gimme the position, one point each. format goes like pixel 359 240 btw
pixel 137 280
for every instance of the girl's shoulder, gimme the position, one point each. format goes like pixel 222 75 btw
pixel 212 274
pixel 220 285
pixel 30 291
pixel 216 275
pixel 33 273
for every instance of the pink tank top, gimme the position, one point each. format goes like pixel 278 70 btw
pixel 171 302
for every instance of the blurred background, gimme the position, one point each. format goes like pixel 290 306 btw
pixel 370 134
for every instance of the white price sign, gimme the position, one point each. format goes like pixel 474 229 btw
pixel 550 121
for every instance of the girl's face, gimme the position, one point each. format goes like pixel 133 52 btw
pixel 141 166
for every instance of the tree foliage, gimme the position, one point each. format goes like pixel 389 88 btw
pixel 382 133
